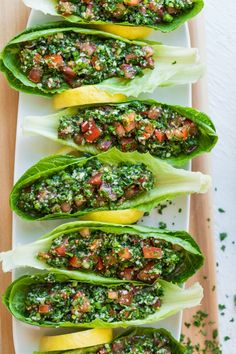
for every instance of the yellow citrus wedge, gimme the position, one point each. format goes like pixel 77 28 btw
pixel 85 95
pixel 76 340
pixel 128 32
pixel 128 216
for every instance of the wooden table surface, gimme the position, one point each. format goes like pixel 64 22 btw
pixel 13 18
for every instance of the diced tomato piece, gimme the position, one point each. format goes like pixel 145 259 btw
pixel 54 60
pixel 181 133
pixel 111 259
pixel 120 131
pixel 129 121
pixel 148 50
pixel 112 295
pixel 125 253
pixel 74 262
pixel 154 113
pixel 131 192
pixel 160 135
pixel 100 264
pixel 95 245
pixel 152 252
pixel 85 126
pixel 93 132
pixel 148 131
pixel 128 144
pixel 157 303
pixel 96 180
pixel 147 274
pixel 84 305
pixel 37 57
pixel 44 309
pixel 127 273
pixel 125 297
pixel 185 132
pixel 69 72
pixel 61 250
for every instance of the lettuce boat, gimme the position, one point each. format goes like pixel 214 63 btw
pixel 63 186
pixel 175 134
pixel 56 300
pixel 143 338
pixel 165 15
pixel 110 253
pixel 55 57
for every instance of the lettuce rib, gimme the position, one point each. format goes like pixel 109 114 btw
pixel 47 126
pixel 169 182
pixel 26 255
pixel 173 65
pixel 49 7
pixel 174 300
pixel 175 346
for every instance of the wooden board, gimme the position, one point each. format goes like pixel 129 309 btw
pixel 13 19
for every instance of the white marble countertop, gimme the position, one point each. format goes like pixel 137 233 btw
pixel 221 62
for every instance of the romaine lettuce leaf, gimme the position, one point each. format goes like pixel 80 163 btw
pixel 26 255
pixel 169 182
pixel 47 126
pixel 175 346
pixel 173 65
pixel 49 7
pixel 174 300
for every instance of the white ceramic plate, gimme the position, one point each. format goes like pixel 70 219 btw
pixel 30 149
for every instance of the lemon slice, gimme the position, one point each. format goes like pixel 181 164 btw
pixel 76 340
pixel 85 95
pixel 128 32
pixel 128 216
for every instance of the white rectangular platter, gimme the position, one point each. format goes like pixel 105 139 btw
pixel 30 149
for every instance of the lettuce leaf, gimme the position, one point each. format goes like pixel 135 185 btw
pixel 173 65
pixel 169 182
pixel 175 346
pixel 174 299
pixel 47 126
pixel 49 7
pixel 26 255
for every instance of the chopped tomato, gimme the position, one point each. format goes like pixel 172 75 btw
pixel 125 297
pixel 61 250
pixel 129 121
pixel 154 113
pixel 44 309
pixel 69 72
pixel 148 131
pixel 37 57
pixel 185 133
pixel 152 252
pixel 125 253
pixel 127 273
pixel 95 245
pixel 93 132
pixel 159 135
pixel 54 60
pixel 85 126
pixel 74 262
pixel 181 133
pixel 112 295
pixel 96 180
pixel 128 144
pixel 111 258
pixel 84 305
pixel 147 274
pixel 120 131
pixel 100 264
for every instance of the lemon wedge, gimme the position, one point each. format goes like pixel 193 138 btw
pixel 128 32
pixel 85 95
pixel 128 216
pixel 76 340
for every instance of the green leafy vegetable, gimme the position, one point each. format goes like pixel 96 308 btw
pixel 26 255
pixel 176 347
pixel 49 7
pixel 47 126
pixel 168 181
pixel 186 70
pixel 174 299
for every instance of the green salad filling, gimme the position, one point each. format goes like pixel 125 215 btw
pixel 72 60
pixel 93 185
pixel 71 301
pixel 141 343
pixel 125 256
pixel 136 12
pixel 157 129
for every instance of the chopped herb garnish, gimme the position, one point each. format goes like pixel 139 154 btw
pixel 220 210
pixel 223 236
